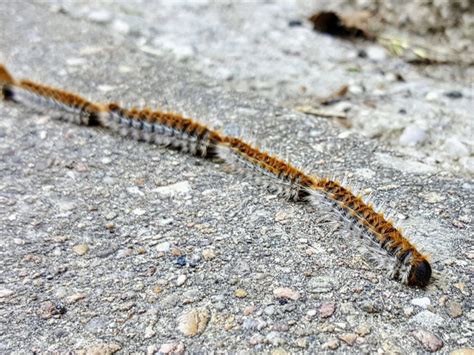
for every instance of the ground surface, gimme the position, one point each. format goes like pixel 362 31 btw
pixel 109 241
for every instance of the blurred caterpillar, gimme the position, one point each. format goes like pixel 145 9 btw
pixel 391 248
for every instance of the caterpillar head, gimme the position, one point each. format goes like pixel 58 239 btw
pixel 420 274
pixel 6 82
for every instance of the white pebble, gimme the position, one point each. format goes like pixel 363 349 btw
pixel 100 16
pixel 376 53
pixel 121 27
pixel 181 280
pixel 412 135
pixel 163 247
pixel 170 190
pixel 285 292
pixel 421 302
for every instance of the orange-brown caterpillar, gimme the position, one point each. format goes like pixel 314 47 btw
pixel 170 129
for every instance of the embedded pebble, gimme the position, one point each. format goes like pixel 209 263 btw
pixel 100 16
pixel 181 280
pixel 193 322
pixel 463 351
pixel 240 293
pixel 332 344
pixel 454 309
pixel 163 247
pixel 320 284
pixel 429 341
pixel 327 309
pixel 80 249
pixel 362 330
pixel 100 349
pixel 428 319
pixel 121 26
pixel 286 293
pixel 208 254
pixel 5 293
pixel 170 190
pixel 149 332
pixel 302 342
pixel 422 302
pixel 76 297
pixel 376 53
pixel 349 339
pixel 412 135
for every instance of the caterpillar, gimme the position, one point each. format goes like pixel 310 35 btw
pixel 406 264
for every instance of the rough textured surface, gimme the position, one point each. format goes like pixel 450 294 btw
pixel 96 235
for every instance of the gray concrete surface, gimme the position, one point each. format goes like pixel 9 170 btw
pixel 93 244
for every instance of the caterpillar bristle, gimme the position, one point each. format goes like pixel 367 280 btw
pixel 361 218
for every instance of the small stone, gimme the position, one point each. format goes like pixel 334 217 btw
pixel 139 211
pixel 121 26
pixel 302 342
pixel 157 290
pixel 171 190
pixel 48 309
pixel 106 160
pixel 75 297
pixel 193 322
pixel 311 313
pixel 281 216
pixel 362 330
pixel 454 309
pixel 453 94
pixel 320 284
pixel 208 254
pixel 427 319
pixel 269 310
pixel 327 310
pixel 349 339
pixel 376 53
pixel 240 293
pixel 80 249
pixel 412 135
pixel 75 61
pixel 279 351
pixel 100 16
pixel 100 349
pixel 430 341
pixel 163 247
pixel 111 215
pixel 422 302
pixel 181 260
pixel 432 96
pixel 149 332
pixel 464 351
pixel 332 344
pixel 5 293
pixel 286 293
pixel 167 348
pixel 181 280
pixel 249 310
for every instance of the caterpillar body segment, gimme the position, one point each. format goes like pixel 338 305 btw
pixel 279 176
pixel 163 128
pixel 379 235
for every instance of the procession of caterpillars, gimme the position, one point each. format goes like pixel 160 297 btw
pixel 393 251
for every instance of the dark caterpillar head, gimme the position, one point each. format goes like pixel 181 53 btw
pixel 420 274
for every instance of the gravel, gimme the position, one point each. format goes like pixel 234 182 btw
pixel 64 186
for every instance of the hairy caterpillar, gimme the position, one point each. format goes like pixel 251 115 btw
pixel 170 129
